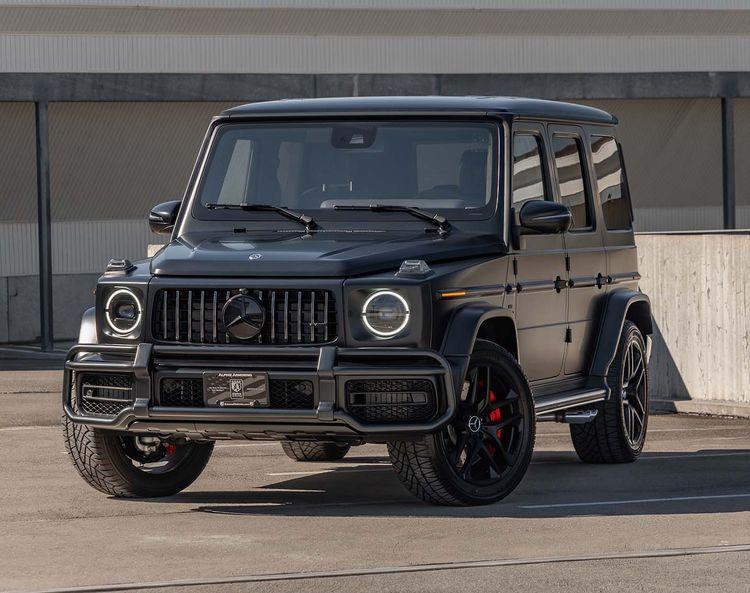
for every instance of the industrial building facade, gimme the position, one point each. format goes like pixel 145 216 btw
pixel 103 104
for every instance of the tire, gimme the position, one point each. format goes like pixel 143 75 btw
pixel 483 454
pixel 315 450
pixel 102 459
pixel 618 432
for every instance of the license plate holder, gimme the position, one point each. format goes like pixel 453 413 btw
pixel 227 389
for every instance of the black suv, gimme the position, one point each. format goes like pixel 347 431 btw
pixel 434 273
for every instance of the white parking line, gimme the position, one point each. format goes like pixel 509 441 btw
pixel 378 467
pixel 14 428
pixel 604 503
pixel 659 430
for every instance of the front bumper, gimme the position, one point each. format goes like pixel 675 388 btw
pixel 327 367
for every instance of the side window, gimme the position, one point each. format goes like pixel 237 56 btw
pixel 528 172
pixel 610 183
pixel 569 164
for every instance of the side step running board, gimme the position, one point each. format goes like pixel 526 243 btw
pixel 568 399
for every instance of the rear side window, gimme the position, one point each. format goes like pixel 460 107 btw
pixel 569 165
pixel 528 173
pixel 610 183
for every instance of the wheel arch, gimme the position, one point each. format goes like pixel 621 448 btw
pixel 621 306
pixel 473 321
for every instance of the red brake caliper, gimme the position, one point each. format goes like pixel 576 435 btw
pixel 170 448
pixel 495 415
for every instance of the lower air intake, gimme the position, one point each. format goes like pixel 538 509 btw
pixel 391 401
pixel 104 394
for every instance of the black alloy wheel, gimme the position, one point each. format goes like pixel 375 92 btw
pixel 483 453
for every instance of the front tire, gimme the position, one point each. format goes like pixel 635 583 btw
pixel 483 454
pixel 315 450
pixel 118 465
pixel 618 432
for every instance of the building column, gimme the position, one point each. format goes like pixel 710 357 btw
pixel 45 225
pixel 727 162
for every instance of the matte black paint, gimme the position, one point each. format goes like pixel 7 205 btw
pixel 558 300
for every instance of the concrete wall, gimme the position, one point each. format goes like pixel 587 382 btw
pixel 699 285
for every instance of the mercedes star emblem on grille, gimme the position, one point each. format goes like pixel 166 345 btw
pixel 243 316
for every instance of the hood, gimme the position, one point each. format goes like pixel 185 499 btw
pixel 332 254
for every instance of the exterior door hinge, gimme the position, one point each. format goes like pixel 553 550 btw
pixel 567 263
pixel 568 336
pixel 515 267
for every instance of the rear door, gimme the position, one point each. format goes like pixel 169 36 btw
pixel 539 264
pixel 586 260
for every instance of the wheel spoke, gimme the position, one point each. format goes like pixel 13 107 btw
pixel 471 454
pixel 510 398
pixel 491 459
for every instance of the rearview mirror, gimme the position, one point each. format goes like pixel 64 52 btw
pixel 162 217
pixel 544 218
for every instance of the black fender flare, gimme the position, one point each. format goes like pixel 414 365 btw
pixel 461 333
pixel 616 310
pixel 87 334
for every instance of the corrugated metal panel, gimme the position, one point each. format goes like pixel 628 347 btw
pixel 17 162
pixel 375 4
pixel 78 247
pixel 117 160
pixel 406 21
pixel 279 54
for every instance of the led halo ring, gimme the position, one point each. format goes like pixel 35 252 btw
pixel 377 332
pixel 116 329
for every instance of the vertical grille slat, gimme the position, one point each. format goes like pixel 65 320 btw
pixel 214 323
pixel 293 316
pixel 203 306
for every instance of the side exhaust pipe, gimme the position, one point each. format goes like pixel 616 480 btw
pixel 569 417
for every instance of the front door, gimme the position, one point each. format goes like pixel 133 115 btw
pixel 539 264
pixel 587 261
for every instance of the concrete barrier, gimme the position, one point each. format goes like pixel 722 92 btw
pixel 699 287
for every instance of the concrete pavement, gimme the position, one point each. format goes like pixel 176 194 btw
pixel 255 512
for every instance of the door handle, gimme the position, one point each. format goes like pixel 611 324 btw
pixel 560 284
pixel 601 280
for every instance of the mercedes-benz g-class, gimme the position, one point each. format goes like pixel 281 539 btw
pixel 437 274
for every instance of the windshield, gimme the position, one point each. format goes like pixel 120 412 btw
pixel 311 166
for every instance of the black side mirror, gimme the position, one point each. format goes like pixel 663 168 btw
pixel 162 217
pixel 544 218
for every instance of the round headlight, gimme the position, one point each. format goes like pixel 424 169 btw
pixel 123 311
pixel 385 313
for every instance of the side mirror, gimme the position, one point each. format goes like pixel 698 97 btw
pixel 544 218
pixel 162 217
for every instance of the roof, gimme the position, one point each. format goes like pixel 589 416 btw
pixel 516 106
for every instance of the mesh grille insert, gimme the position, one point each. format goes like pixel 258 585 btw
pixel 105 394
pixel 391 401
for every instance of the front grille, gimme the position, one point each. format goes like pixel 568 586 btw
pixel 391 401
pixel 105 394
pixel 193 316
pixel 284 394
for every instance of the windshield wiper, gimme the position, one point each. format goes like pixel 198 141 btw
pixel 290 214
pixel 439 221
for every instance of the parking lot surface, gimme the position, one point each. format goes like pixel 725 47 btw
pixel 677 520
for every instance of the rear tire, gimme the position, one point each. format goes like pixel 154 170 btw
pixel 618 432
pixel 106 461
pixel 315 450
pixel 483 454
